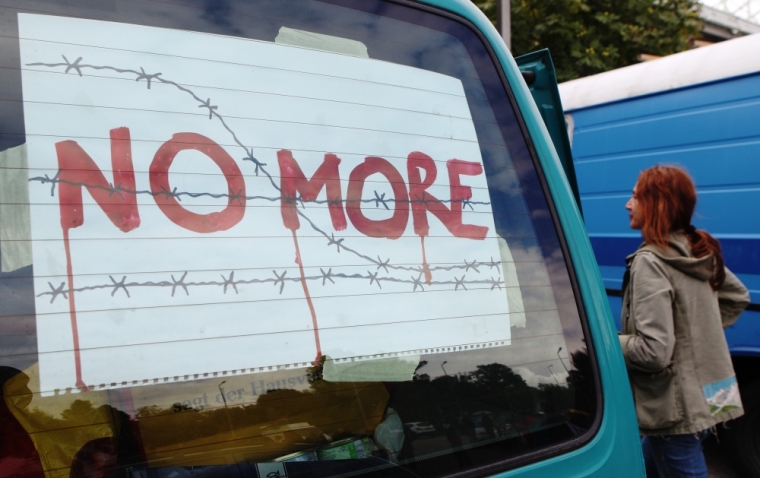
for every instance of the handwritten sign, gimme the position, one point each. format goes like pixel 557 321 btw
pixel 203 203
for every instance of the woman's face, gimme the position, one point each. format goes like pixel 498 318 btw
pixel 634 211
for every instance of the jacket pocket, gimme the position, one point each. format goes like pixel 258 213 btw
pixel 657 397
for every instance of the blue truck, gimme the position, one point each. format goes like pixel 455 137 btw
pixel 699 109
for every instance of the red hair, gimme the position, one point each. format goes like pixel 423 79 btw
pixel 667 196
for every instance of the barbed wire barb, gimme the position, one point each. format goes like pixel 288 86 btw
pixel 119 285
pixel 211 108
pixel 337 242
pixel 147 77
pixel 47 179
pixel 75 66
pixel 116 190
pixel 280 280
pixel 238 196
pixel 373 278
pixel 230 282
pixel 249 157
pixel 380 199
pixel 417 283
pixel 326 275
pixel 459 282
pixel 179 283
pixel 495 283
pixel 56 291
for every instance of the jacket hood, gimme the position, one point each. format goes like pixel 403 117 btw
pixel 678 255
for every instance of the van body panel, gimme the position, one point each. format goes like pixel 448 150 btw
pixel 617 436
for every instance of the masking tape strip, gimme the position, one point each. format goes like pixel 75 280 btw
pixel 317 41
pixel 514 295
pixel 394 369
pixel 15 222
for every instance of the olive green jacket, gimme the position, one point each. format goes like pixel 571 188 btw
pixel 672 339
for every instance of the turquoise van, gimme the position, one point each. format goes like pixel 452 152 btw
pixel 293 238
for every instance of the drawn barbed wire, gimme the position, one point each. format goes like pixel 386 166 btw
pixel 213 111
pixel 379 199
pixel 280 279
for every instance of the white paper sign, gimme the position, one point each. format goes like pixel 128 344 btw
pixel 203 203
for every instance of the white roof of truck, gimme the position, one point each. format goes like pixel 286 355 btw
pixel 722 60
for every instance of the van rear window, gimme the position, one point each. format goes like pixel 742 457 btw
pixel 273 238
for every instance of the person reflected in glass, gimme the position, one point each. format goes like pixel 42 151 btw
pixel 677 298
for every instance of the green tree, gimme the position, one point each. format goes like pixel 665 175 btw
pixel 591 36
pixel 497 377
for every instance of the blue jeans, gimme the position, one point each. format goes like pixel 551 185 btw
pixel 675 456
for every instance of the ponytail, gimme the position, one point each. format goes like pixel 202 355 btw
pixel 703 244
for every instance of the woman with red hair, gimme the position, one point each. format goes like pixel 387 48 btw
pixel 677 299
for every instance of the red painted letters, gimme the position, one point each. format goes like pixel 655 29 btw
pixel 119 203
pixel 392 228
pixel 293 181
pixel 461 193
pixel 159 185
pixel 422 201
pixel 77 169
